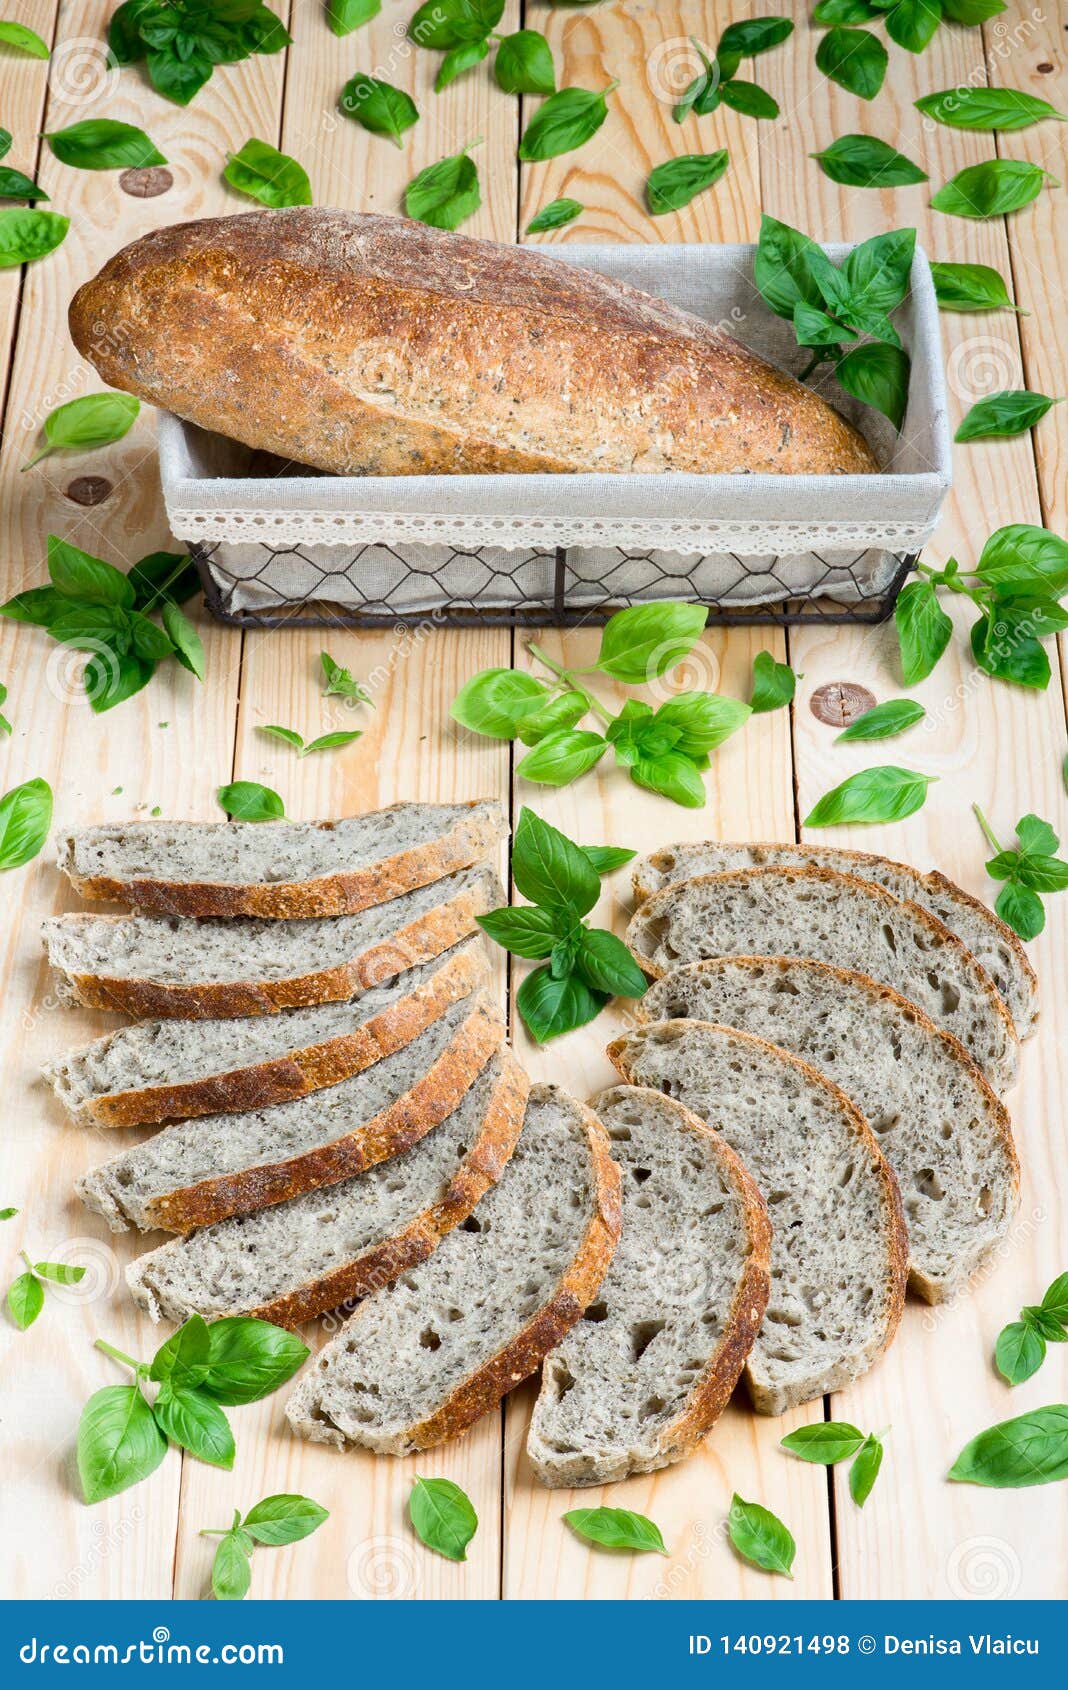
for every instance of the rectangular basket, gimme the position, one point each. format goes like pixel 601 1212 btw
pixel 276 541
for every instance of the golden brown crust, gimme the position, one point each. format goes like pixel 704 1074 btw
pixel 468 841
pixel 283 1078
pixel 396 1129
pixel 377 346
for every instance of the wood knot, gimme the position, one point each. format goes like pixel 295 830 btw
pixel 1045 69
pixel 89 489
pixel 146 184
pixel 840 702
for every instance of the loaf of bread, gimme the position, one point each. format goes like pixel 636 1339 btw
pixel 369 345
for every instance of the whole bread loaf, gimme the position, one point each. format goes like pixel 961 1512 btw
pixel 371 345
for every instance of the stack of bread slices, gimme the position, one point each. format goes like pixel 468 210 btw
pixel 329 1116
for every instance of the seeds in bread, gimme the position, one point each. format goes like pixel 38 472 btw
pixel 990 941
pixel 941 1127
pixel 177 967
pixel 329 1247
pixel 284 870
pixel 838 1244
pixel 423 1359
pixel 641 1378
pixel 833 918
pixel 157 1071
pixel 201 1171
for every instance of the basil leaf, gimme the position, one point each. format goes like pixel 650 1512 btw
pixel 616 1528
pixel 196 1423
pixel 25 1300
pixel 5 142
pixel 882 794
pixel 112 680
pixel 1056 1298
pixel 524 64
pixel 1030 1450
pixel 267 175
pixel 231 1570
pixel 119 1442
pixel 147 640
pixel 645 641
pixel 679 180
pixel 458 60
pixel 567 120
pixel 333 741
pixel 59 1273
pixel 185 1355
pixel 752 36
pixel 549 869
pixel 774 684
pixel 97 419
pixel 1004 647
pixel 1019 1352
pixel 1011 412
pixel 124 36
pixel 556 215
pixel 815 328
pixel 824 1441
pixel 972 11
pixel 187 644
pixel 25 818
pixel 89 580
pixel 248 801
pixel 1022 554
pixel 29 235
pixel 38 605
pixel 378 106
pixel 496 701
pixel 550 1006
pixel 673 775
pixel 450 23
pixel 100 143
pixel 989 109
pixel 1035 835
pixel 1044 874
pixel 879 270
pixel 529 932
pixel 606 965
pixel 344 16
pixel 703 93
pixel 444 194
pixel 1045 1323
pixel 702 720
pixel 341 682
pixel 15 186
pixel 784 267
pixel 855 59
pixel 443 1517
pixel 1021 909
pixel 561 712
pixel 605 858
pixel 878 375
pixel 884 720
pixel 992 189
pixel 284 1519
pixel 288 736
pixel 178 79
pixel 760 1537
pixel 90 627
pixel 25 39
pixel 163 577
pixel 562 757
pixel 249 1359
pixel 912 23
pixel 862 161
pixel 971 287
pixel 846 11
pixel 865 1470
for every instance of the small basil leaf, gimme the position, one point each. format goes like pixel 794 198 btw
pixel 824 1441
pixel 1004 647
pixel 524 64
pixel 744 40
pixel 605 858
pixel 882 794
pixel 15 186
pixel 760 1537
pixel 97 419
pixel 1036 836
pixel 992 189
pixel 248 801
pixel 1044 874
pixel 567 120
pixel 59 1273
pixel 971 287
pixel 378 106
pixel 344 16
pixel 774 684
pixel 444 194
pixel 25 818
pixel 923 630
pixel 862 161
pixel 1019 1352
pixel 284 1519
pixel 912 23
pixel 643 642
pixel 562 757
pixel 549 869
pixel 747 98
pixel 340 682
pixel 561 712
pixel 443 1517
pixel 249 1359
pixel 188 646
pixel 679 180
pixel 184 1357
pixel 267 175
pixel 288 736
pixel 1022 555
pixel 25 39
pixel 1021 909
pixel 878 271
pixel 855 59
pixel 1011 412
pixel 878 375
pixel 865 1470
pixel 815 328
pixel 884 720
pixel 703 93
pixel 784 267
pixel 556 215
pixel 606 965
pixel 990 109
pixel 1045 1323
pixel 496 701
pixel 550 1006
pixel 231 1570
pixel 29 235
pixel 1029 1450
pixel 113 679
pixel 674 776
pixel 333 741
pixel 450 23
pixel 163 577
pixel 972 11
pixel 617 1528
pixel 100 143
pixel 459 59
pixel 846 11
pixel 8 1214
pixel 25 1300
pixel 148 641
pixel 192 1420
pixel 527 931
pixel 1056 1299
pixel 700 721
pixel 119 1442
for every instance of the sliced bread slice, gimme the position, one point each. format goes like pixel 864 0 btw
pixel 168 967
pixel 327 1248
pixel 833 918
pixel 283 870
pixel 203 1170
pixel 838 1244
pixel 642 1377
pixel 990 941
pixel 423 1359
pixel 939 1124
pixel 157 1071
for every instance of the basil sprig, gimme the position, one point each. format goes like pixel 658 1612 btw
pixel 909 23
pixel 446 193
pixel 993 188
pixel 1030 869
pixel 829 1441
pixel 971 287
pixel 248 801
pixel 1030 1450
pixel 275 1521
pixel 83 425
pixel 25 818
pixel 883 794
pixel 617 1528
pixel 759 1536
pixel 267 175
pixel 464 29
pixel 100 143
pixel 717 80
pixel 568 119
pixel 1021 1346
pixel 989 109
pixel 378 106
pixel 585 965
pixel 200 1369
pixel 26 1294
pixel 863 161
pixel 181 41
pixel 325 742
pixel 26 236
pixel 443 1517
pixel 340 682
pixel 1004 414
pixel 677 181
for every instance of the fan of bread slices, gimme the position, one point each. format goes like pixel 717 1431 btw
pixel 316 1098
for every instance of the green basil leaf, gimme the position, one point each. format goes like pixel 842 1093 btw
pixel 1044 874
pixel 846 11
pixel 5 142
pixel 284 1519
pixel 93 627
pixel 88 580
pixel 923 630
pixel 188 646
pixel 119 1442
pixel 97 419
pixel 163 577
pixel 562 757
pixel 38 605
pixel 862 161
pixel 855 59
pixel 878 271
pixel 333 741
pixel 100 143
pixel 673 776
pixel 378 106
pixel 992 189
pixel 605 858
pixel 881 794
pixel 8 1214
pixel 679 180
pixel 288 736
pixel 1036 836
pixel 341 682
pixel 443 1517
pixel 16 186
pixel 556 215
pixel 1019 1352
pixel 527 931
pixel 450 23
pixel 444 194
pixel 1022 555
pixel 148 641
pixel 606 965
pixel 29 235
pixel 752 36
pixel 617 1528
pixel 774 684
pixel 1021 909
pixel 267 175
pixel 560 712
pixel 760 1537
pixel 1056 1298
pixel 195 1422
pixel 878 375
pixel 1004 647
pixel 59 1273
pixel 496 701
pixel 972 11
pixel 25 39
pixel 703 93
pixel 912 23
pixel 567 120
pixel 645 641
pixel 231 1570
pixel 124 35
pixel 524 64
pixel 747 98
pixel 865 1470
pixel 990 109
pixel 824 1441
pixel 459 59
pixel 549 869
pixel 884 720
pixel 111 680
pixel 25 1300
pixel 1045 1323
pixel 550 1006
pixel 25 818
pixel 1010 412
pixel 249 1359
pixel 344 16
pixel 701 720
pixel 185 1355
pixel 815 328
pixel 248 801
pixel 785 267
pixel 971 287
pixel 1029 1450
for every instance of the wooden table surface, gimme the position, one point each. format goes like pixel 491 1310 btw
pixel 176 741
